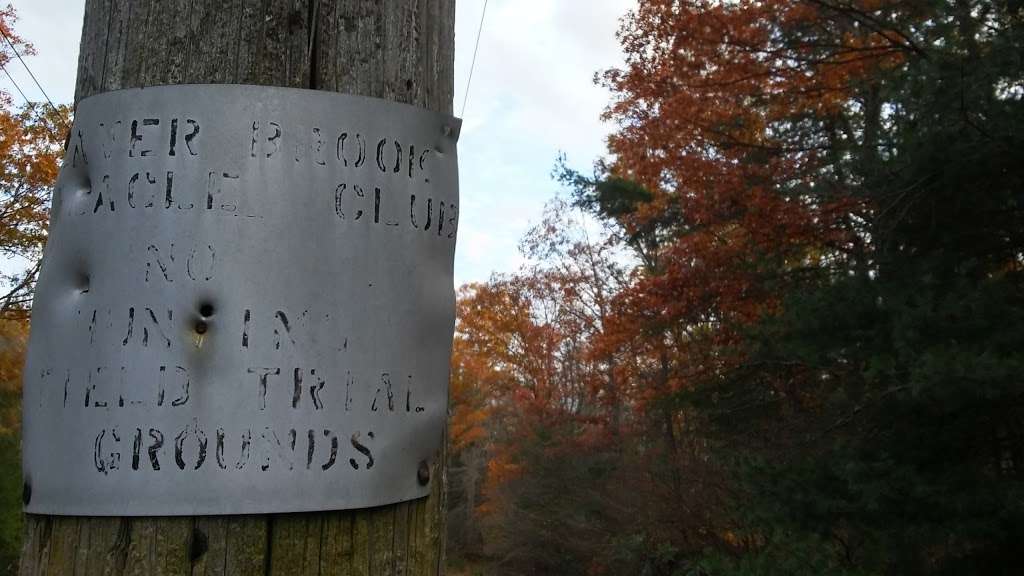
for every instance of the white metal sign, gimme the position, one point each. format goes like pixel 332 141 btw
pixel 245 306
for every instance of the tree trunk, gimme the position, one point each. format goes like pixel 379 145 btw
pixel 400 50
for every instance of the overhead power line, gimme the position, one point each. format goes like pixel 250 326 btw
pixel 49 128
pixel 34 79
pixel 476 47
pixel 16 87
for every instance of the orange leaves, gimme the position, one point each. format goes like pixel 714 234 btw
pixel 738 122
pixel 30 153
pixel 525 364
pixel 31 146
pixel 738 128
pixel 512 351
pixel 13 339
pixel 468 397
pixel 731 113
pixel 501 469
pixel 708 84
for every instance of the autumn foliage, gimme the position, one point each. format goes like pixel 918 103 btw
pixel 776 330
pixel 31 146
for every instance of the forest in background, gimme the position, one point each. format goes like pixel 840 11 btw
pixel 777 330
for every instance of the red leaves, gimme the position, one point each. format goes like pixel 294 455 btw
pixel 728 113
pixel 730 180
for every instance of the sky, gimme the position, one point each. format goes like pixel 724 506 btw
pixel 531 97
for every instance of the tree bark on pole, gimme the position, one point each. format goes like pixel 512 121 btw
pixel 400 50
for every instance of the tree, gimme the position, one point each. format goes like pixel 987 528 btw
pixel 30 148
pixel 577 480
pixel 13 338
pixel 31 144
pixel 542 419
pixel 30 151
pixel 839 199
pixel 471 376
pixel 396 50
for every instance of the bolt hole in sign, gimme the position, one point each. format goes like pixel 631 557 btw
pixel 245 305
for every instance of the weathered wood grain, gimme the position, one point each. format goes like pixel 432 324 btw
pixel 401 50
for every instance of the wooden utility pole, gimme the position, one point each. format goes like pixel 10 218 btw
pixel 400 50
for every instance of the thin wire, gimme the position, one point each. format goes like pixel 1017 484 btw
pixel 49 128
pixel 34 79
pixel 472 64
pixel 18 88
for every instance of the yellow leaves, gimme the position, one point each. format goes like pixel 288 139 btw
pixel 30 153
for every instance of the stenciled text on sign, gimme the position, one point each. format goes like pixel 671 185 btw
pixel 245 306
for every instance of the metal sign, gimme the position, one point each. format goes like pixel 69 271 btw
pixel 245 305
